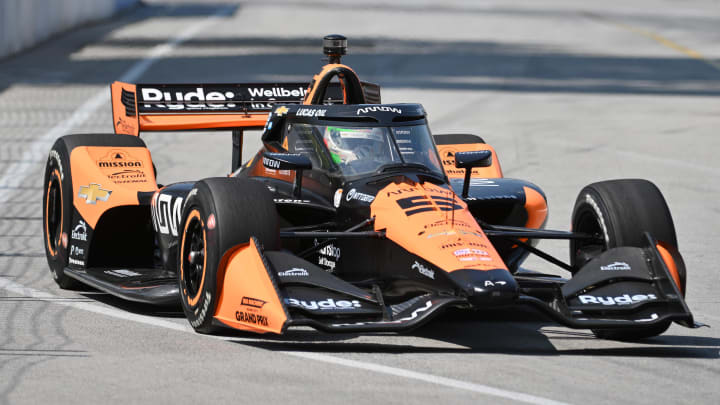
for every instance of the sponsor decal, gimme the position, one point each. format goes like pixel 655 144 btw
pixel 118 159
pixel 122 273
pixel 489 283
pixel 128 176
pixel 93 193
pixel 461 243
pixel 290 201
pixel 468 251
pixel 152 97
pixel 443 233
pixel 76 251
pixel 616 266
pixel 122 168
pixel 366 110
pixel 281 111
pixel 624 299
pixel 201 312
pixel 323 261
pixel 271 163
pixel 124 127
pixel 80 231
pixel 255 319
pixel 328 304
pixel 337 198
pixel 310 112
pixel 421 203
pixel 76 261
pixel 166 213
pixel 294 272
pixel 423 270
pixel 446 222
pixel 211 222
pixel 331 251
pixel 56 156
pixel 451 245
pixel 483 183
pixel 252 302
pixel 356 195
pixel 400 191
pixel 276 92
pixel 64 239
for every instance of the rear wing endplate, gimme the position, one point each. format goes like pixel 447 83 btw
pixel 176 107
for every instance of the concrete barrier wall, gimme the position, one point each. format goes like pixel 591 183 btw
pixel 24 23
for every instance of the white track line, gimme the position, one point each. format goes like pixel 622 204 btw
pixel 18 173
pixel 434 379
pixel 13 287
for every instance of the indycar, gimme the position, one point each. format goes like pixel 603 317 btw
pixel 352 217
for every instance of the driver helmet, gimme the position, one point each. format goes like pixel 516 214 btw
pixel 349 144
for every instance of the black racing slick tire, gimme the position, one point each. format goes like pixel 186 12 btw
pixel 219 213
pixel 620 212
pixel 57 213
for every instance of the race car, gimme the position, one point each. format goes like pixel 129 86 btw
pixel 351 217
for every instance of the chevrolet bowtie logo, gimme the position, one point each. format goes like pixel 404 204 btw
pixel 93 192
pixel 281 111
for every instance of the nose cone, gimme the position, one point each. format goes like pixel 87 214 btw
pixel 486 288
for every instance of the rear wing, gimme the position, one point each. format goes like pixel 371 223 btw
pixel 175 107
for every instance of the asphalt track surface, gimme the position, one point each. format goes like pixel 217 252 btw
pixel 567 92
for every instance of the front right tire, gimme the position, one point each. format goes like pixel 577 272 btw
pixel 620 212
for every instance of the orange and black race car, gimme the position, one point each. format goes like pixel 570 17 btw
pixel 351 217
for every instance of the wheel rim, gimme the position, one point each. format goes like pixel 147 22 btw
pixel 54 214
pixel 584 250
pixel 193 258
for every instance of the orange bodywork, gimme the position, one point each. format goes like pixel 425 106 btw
pixel 327 68
pixel 667 257
pixel 133 123
pixel 122 122
pixel 447 154
pixel 536 208
pixel 104 177
pixel 249 299
pixel 433 223
pixel 179 122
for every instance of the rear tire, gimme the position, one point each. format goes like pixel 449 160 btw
pixel 621 211
pixel 221 214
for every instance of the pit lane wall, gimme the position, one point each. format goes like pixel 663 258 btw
pixel 24 23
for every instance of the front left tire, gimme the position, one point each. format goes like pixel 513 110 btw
pixel 219 214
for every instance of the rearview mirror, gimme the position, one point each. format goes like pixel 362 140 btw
pixel 469 160
pixel 289 161
pixel 477 158
pixel 286 161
